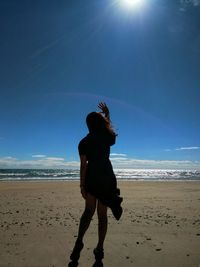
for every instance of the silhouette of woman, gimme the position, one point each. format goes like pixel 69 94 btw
pixel 98 183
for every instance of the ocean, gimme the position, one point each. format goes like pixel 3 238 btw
pixel 121 174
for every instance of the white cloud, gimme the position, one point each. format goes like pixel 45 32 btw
pixel 184 4
pixel 118 158
pixel 11 158
pixel 157 164
pixel 38 156
pixel 196 2
pixel 183 148
pixel 48 158
pixel 50 162
pixel 118 162
pixel 54 159
pixel 188 148
pixel 117 154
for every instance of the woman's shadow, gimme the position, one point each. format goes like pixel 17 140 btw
pixel 97 263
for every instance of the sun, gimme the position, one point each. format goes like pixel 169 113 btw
pixel 132 4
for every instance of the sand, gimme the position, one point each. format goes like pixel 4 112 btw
pixel 160 226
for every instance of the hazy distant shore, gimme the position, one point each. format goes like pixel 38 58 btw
pixel 160 225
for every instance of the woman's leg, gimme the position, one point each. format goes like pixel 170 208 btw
pixel 103 223
pixel 90 206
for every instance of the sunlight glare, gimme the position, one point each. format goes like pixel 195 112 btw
pixel 133 4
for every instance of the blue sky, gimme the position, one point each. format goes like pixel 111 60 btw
pixel 60 58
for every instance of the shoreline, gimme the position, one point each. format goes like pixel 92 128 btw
pixel 121 175
pixel 118 180
pixel 160 225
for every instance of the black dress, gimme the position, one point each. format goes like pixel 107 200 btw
pixel 100 180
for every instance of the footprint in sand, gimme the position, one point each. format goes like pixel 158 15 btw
pixel 158 249
pixel 148 238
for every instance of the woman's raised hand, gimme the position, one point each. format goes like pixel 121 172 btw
pixel 104 109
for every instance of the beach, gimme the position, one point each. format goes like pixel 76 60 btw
pixel 160 225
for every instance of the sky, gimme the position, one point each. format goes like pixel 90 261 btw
pixel 60 58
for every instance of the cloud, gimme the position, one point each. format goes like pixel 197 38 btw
pixel 9 158
pixel 157 164
pixel 54 159
pixel 118 158
pixel 183 148
pixel 117 154
pixel 118 162
pixel 48 158
pixel 195 2
pixel 154 164
pixel 46 163
pixel 38 156
pixel 184 4
pixel 188 148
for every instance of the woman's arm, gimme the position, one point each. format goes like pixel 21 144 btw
pixel 83 166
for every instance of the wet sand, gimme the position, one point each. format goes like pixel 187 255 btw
pixel 160 226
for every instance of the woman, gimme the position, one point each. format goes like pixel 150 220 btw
pixel 97 180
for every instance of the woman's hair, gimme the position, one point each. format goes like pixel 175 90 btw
pixel 96 122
